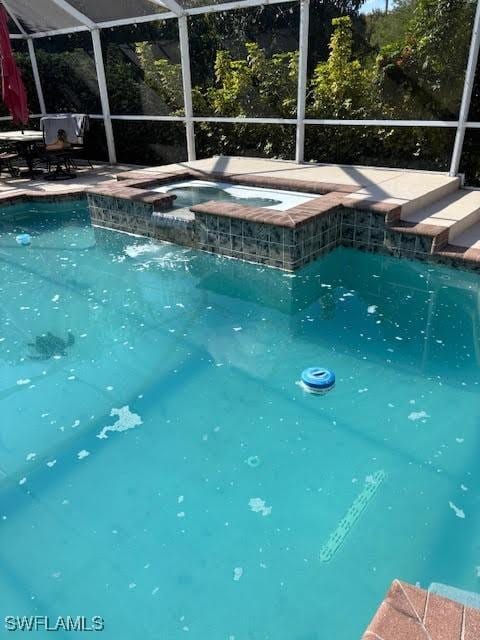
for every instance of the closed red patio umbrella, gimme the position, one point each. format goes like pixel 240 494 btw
pixel 13 90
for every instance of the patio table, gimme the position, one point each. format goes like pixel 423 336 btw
pixel 24 142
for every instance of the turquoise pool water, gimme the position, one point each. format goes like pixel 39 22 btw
pixel 188 195
pixel 168 474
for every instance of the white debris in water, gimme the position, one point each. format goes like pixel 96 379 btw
pixel 458 512
pixel 372 308
pixel 56 575
pixel 418 415
pixel 83 454
pixel 56 298
pixel 75 424
pixel 463 487
pixel 460 440
pixel 51 463
pixel 181 514
pixel 237 573
pixel 180 499
pixel 126 420
pixel 109 388
pixel 398 338
pixel 132 585
pixel 155 590
pixel 22 481
pixel 135 250
pixel 23 381
pixel 30 456
pixel 253 461
pixel 257 505
pixel 237 328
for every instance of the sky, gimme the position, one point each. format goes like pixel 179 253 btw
pixel 370 5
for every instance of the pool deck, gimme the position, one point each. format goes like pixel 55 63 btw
pixel 85 179
pixel 410 613
pixel 409 190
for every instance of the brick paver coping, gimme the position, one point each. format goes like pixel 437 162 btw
pixel 410 613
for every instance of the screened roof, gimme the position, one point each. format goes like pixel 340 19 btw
pixel 38 16
pixel 48 15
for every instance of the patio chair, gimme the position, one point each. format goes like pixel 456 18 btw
pixel 6 163
pixel 77 152
pixel 59 163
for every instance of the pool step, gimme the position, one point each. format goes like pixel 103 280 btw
pixel 469 238
pixel 456 212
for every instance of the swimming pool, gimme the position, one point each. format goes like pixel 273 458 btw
pixel 169 475
pixel 191 192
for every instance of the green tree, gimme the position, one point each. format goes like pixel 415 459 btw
pixel 255 86
pixel 342 87
pixel 422 74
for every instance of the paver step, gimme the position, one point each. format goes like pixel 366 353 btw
pixel 470 237
pixel 457 212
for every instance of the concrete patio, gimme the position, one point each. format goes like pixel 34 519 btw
pixel 85 177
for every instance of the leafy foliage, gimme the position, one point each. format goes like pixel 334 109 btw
pixel 342 87
pixel 256 85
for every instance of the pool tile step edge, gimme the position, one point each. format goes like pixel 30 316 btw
pixel 411 613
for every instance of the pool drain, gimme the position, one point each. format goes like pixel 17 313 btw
pixel 336 539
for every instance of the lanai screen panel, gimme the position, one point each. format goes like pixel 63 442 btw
pixel 41 15
pixel 116 9
pixel 193 4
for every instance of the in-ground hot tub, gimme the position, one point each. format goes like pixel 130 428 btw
pixel 192 192
pixel 275 227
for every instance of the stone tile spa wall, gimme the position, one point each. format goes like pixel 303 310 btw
pixel 286 240
pixel 277 246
